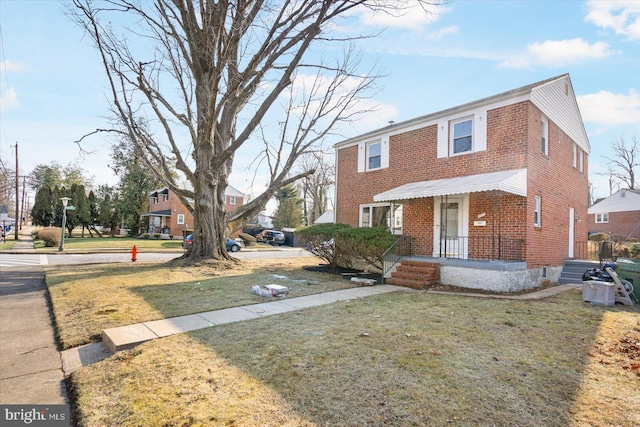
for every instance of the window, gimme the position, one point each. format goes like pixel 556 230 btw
pixel 537 220
pixel 545 136
pixel 180 218
pixel 462 136
pixel 155 200
pixel 374 156
pixel 602 218
pixel 581 161
pixel 389 216
pixel 232 200
pixel 165 197
pixel 575 155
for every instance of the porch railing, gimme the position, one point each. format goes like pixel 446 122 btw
pixel 400 249
pixel 485 248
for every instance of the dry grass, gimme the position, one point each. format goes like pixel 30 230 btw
pixel 399 359
pixel 88 299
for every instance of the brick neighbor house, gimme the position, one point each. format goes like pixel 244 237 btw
pixel 167 215
pixel 493 192
pixel 617 215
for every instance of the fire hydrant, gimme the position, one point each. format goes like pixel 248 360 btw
pixel 134 254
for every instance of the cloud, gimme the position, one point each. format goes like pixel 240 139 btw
pixel 558 53
pixel 8 99
pixel 7 66
pixel 606 108
pixel 407 14
pixel 623 16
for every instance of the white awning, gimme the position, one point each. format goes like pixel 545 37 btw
pixel 513 181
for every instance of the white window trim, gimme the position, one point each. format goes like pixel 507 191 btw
pixel 165 197
pixel 180 218
pixel 581 161
pixel 537 213
pixel 602 218
pixel 545 135
pixel 367 156
pixel 232 200
pixel 451 135
pixel 363 154
pixel 575 155
pixel 376 205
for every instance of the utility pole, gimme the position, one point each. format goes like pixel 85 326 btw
pixel 17 194
pixel 24 184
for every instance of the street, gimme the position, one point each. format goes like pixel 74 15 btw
pixel 9 260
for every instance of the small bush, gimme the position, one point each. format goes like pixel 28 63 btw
pixel 319 240
pixel 146 236
pixel 50 236
pixel 599 237
pixel 247 239
pixel 634 250
pixel 368 243
pixel 156 235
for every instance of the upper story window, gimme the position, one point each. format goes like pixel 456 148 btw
pixel 232 200
pixel 462 136
pixel 165 197
pixel 575 155
pixel 581 161
pixel 374 155
pixel 180 218
pixel 545 136
pixel 602 218
pixel 537 212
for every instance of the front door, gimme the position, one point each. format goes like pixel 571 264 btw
pixel 450 227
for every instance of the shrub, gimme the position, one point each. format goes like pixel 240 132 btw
pixel 634 250
pixel 368 243
pixel 247 239
pixel 156 235
pixel 319 240
pixel 50 236
pixel 146 236
pixel 599 237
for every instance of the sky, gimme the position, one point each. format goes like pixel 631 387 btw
pixel 53 89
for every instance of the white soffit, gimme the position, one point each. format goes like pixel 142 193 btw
pixel 512 181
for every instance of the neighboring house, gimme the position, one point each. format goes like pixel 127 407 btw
pixel 325 218
pixel 167 215
pixel 618 214
pixel 494 191
pixel 265 221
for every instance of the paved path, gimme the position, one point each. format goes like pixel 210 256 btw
pixel 30 364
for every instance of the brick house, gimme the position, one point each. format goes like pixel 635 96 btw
pixel 167 215
pixel 618 214
pixel 494 191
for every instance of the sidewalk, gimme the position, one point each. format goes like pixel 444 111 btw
pixel 30 364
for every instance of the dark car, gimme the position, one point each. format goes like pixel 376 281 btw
pixel 271 237
pixel 231 245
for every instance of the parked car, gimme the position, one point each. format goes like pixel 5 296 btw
pixel 231 245
pixel 271 237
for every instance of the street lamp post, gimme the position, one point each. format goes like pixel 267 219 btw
pixel 64 200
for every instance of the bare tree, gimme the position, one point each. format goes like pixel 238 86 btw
pixel 315 187
pixel 623 163
pixel 215 73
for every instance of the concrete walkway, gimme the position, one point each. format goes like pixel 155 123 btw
pixel 30 364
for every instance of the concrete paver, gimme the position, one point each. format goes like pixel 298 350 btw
pixel 229 315
pixel 175 325
pixel 126 337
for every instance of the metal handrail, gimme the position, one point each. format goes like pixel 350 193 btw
pixel 399 249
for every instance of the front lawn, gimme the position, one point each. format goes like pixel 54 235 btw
pixel 111 243
pixel 405 359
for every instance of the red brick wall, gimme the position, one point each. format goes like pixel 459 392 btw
pixel 513 142
pixel 620 223
pixel 560 187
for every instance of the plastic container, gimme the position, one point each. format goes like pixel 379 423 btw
pixel 629 269
pixel 599 293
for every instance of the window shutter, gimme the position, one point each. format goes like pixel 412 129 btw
pixel 443 139
pixel 480 131
pixel 384 152
pixel 362 156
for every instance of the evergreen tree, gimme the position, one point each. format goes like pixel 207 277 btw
pixel 289 211
pixel 42 211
